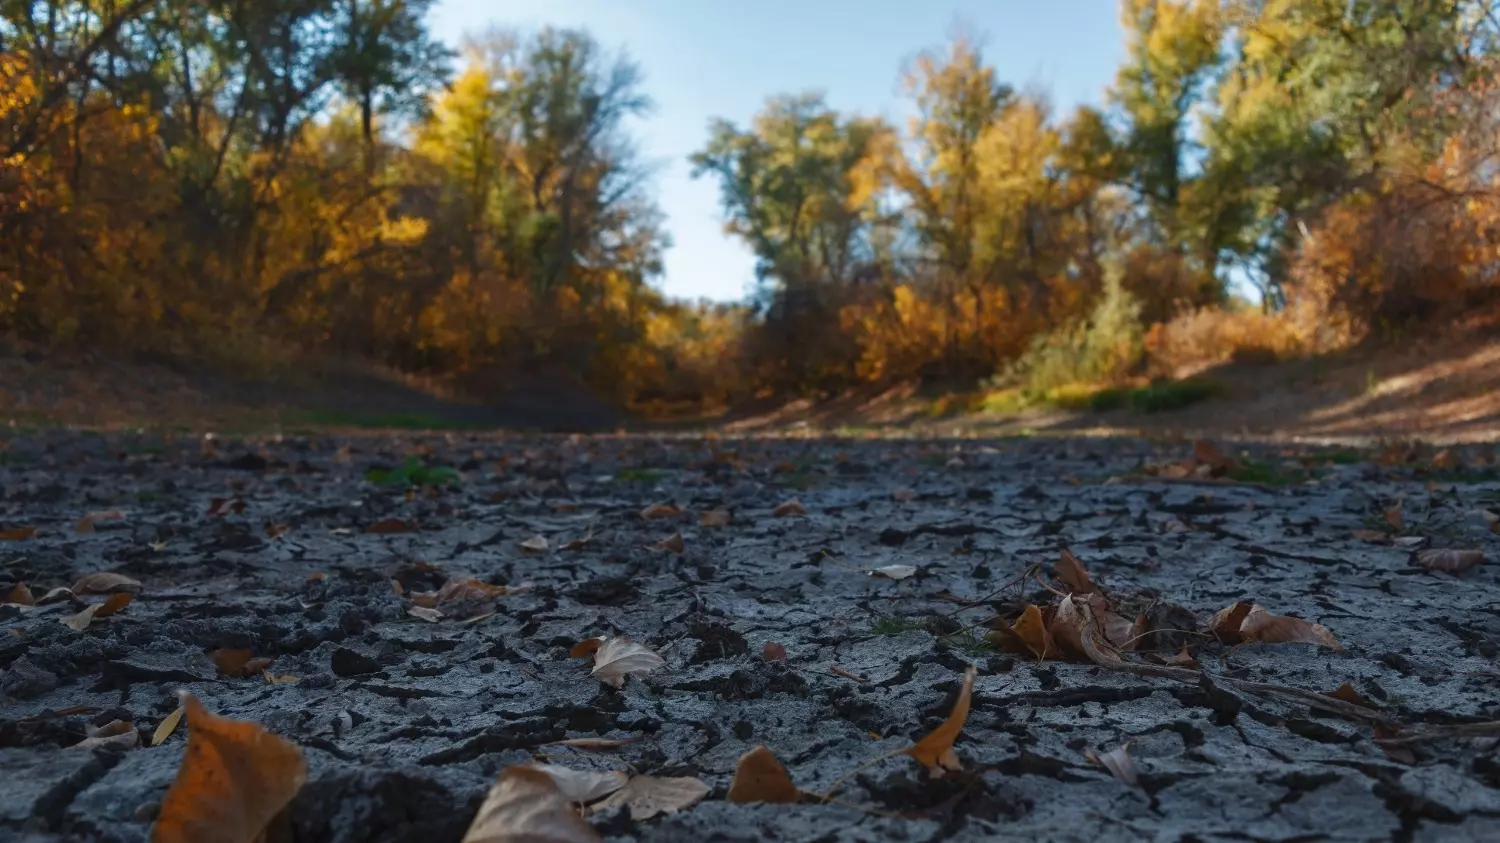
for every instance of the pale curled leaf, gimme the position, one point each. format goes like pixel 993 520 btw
pixel 116 734
pixel 894 572
pixel 1261 626
pixel 167 726
pixel 105 582
pixel 1119 764
pixel 82 620
pixel 648 796
pixel 582 786
pixel 620 657
pixel 527 806
pixel 1448 560
pixel 426 614
pixel 671 544
pixel 789 508
pixel 535 544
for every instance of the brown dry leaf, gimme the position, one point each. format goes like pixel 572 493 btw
pixel 595 743
pixel 586 647
pixel 1117 762
pixel 620 657
pixel 1182 659
pixel 1031 629
pixel 1262 626
pixel 319 576
pixel 1445 459
pixel 1206 453
pixel 276 531
pixel 391 526
pixel 277 679
pixel 427 614
pixel 468 588
pixel 672 543
pixel 119 734
pixel 1395 517
pixel 759 777
pixel 1347 693
pixel 86 523
pixel 714 518
pixel 234 779
pixel 936 749
pixel 1449 561
pixel 238 663
pixel 661 510
pixel 1074 577
pixel 647 796
pixel 582 786
pixel 1491 518
pixel 167 726
pixel 535 544
pixel 20 595
pixel 902 494
pixel 773 652
pixel 791 507
pixel 1226 624
pixel 17 534
pixel 105 582
pixel 527 806
pixel 580 543
pixel 1375 536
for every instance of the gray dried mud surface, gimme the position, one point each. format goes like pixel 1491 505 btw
pixel 405 723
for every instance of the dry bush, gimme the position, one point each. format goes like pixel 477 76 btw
pixel 1211 335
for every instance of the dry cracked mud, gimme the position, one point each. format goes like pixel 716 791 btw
pixel 405 723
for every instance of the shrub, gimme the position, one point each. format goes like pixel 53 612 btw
pixel 1104 347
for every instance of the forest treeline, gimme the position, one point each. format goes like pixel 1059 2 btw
pixel 242 181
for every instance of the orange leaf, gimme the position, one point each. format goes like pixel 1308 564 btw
pixel 20 594
pixel 671 543
pixel 1182 659
pixel 115 603
pixel 1031 628
pixel 234 779
pixel 17 534
pixel 1226 624
pixel 936 750
pixel 1070 570
pixel 791 507
pixel 585 648
pixel 1347 693
pixel 713 518
pixel 661 510
pixel 759 777
pixel 1266 628
pixel 230 662
pixel 773 652
pixel 1206 453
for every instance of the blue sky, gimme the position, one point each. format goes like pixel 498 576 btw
pixel 722 58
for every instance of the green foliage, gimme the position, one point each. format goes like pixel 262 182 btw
pixel 1101 348
pixel 1171 395
pixel 413 473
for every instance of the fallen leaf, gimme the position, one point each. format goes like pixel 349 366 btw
pixel 1261 626
pixel 620 657
pixel 672 543
pixel 847 674
pixel 759 777
pixel 647 796
pixel 105 582
pixel 791 507
pixel 17 534
pixel 535 544
pixel 118 734
pixel 1375 536
pixel 458 589
pixel 20 595
pixel 1182 659
pixel 238 663
pixel 234 779
pixel 319 576
pixel 714 518
pixel 773 652
pixel 526 805
pixel 274 679
pixel 426 614
pixel 582 786
pixel 82 620
pixel 1226 624
pixel 1117 762
pixel 1031 629
pixel 661 510
pixel 1206 453
pixel 579 543
pixel 894 572
pixel 276 531
pixel 390 526
pixel 1066 626
pixel 1347 693
pixel 86 523
pixel 586 647
pixel 113 604
pixel 55 595
pixel 1449 561
pixel 167 726
pixel 902 494
pixel 936 749
pixel 595 743
pixel 1074 577
pixel 1394 516
pixel 1409 542
pixel 1445 459
pixel 1492 519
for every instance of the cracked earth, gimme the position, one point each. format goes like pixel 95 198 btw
pixel 405 723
